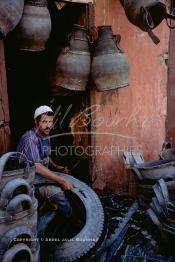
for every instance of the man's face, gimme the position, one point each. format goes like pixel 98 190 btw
pixel 45 125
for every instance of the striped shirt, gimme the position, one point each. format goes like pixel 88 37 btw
pixel 36 148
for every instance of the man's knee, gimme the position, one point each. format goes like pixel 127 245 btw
pixel 48 191
pixel 55 195
pixel 62 202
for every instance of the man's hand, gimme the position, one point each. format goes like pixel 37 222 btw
pixel 44 171
pixel 59 168
pixel 67 170
pixel 67 185
pixel 62 169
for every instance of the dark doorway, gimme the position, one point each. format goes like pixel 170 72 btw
pixel 28 87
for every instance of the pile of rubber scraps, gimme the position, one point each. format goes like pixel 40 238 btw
pixel 129 236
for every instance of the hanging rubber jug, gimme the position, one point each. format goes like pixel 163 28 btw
pixel 110 67
pixel 34 28
pixel 146 14
pixel 10 15
pixel 73 63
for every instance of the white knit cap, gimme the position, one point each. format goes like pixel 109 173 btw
pixel 41 110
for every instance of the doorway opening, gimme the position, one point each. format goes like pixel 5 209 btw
pixel 28 88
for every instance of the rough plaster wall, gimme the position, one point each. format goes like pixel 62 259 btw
pixel 133 117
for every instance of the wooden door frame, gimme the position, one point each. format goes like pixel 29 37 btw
pixel 170 122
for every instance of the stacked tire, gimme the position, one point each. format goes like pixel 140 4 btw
pixel 148 174
pixel 162 213
pixel 18 209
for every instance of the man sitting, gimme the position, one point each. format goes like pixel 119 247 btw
pixel 35 144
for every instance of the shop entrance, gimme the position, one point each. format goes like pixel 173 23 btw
pixel 28 88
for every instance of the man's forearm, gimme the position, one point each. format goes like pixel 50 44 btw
pixel 45 172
